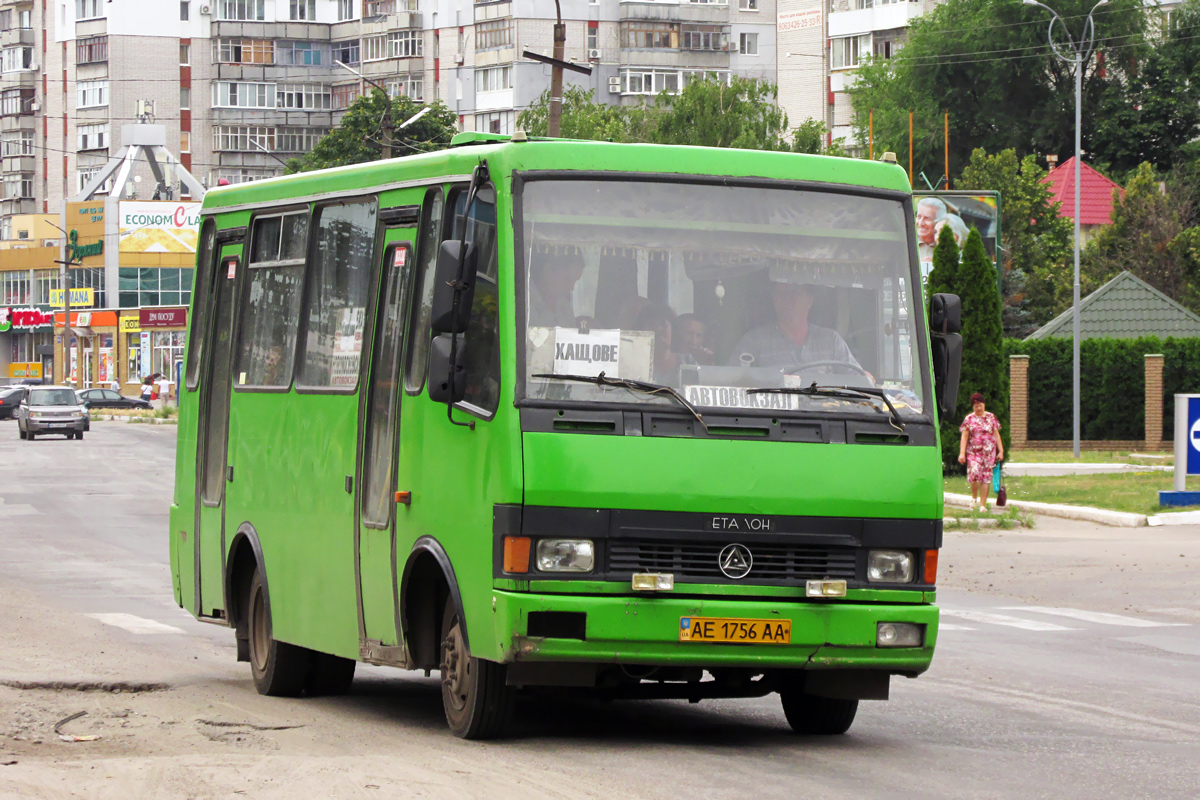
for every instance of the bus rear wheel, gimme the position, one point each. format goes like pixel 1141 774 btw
pixel 475 693
pixel 817 716
pixel 279 669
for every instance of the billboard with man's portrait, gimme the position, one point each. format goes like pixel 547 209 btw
pixel 961 211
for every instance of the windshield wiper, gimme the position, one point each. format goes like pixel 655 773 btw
pixel 849 392
pixel 642 387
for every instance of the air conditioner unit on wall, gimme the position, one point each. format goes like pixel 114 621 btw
pixel 593 55
pixel 458 59
pixel 205 11
pixel 614 85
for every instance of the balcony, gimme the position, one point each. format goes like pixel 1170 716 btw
pixel 674 11
pixel 851 21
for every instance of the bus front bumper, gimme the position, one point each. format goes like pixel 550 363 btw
pixel 646 630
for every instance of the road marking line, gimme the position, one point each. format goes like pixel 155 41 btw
pixel 947 626
pixel 134 624
pixel 1098 617
pixel 1004 619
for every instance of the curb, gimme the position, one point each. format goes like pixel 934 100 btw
pixel 967 522
pixel 1116 519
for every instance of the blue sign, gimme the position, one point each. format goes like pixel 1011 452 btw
pixel 1193 436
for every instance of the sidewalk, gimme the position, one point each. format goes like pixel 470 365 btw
pixel 1103 516
pixel 1017 468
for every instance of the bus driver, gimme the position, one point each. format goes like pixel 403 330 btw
pixel 554 276
pixel 792 340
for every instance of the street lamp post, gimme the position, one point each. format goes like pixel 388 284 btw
pixel 1079 51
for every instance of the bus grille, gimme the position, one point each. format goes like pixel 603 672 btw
pixel 772 562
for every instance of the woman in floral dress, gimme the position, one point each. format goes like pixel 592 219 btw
pixel 980 449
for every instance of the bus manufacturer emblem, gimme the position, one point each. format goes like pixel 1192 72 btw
pixel 735 561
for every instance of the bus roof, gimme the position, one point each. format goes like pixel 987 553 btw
pixel 505 156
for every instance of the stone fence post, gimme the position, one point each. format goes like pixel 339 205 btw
pixel 1154 401
pixel 1018 403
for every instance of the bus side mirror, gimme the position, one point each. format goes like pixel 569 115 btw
pixel 453 262
pixel 447 380
pixel 945 313
pixel 947 369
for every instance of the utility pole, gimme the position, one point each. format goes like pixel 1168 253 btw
pixel 385 122
pixel 554 123
pixel 1080 51
pixel 65 262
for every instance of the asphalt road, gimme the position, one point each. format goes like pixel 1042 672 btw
pixel 1068 666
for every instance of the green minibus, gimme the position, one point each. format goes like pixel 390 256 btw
pixel 633 420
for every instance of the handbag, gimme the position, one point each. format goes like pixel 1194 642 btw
pixel 998 486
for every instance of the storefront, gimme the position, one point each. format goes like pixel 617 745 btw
pixel 26 343
pixel 154 343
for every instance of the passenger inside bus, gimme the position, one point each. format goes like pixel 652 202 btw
pixel 555 274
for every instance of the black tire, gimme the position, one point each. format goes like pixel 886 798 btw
pixel 279 669
pixel 475 693
pixel 817 716
pixel 78 434
pixel 21 433
pixel 30 436
pixel 329 675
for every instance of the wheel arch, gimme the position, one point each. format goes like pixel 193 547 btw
pixel 245 556
pixel 427 581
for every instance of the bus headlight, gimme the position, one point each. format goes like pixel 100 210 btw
pixel 890 566
pixel 565 555
pixel 898 634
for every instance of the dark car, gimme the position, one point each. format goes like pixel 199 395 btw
pixel 107 398
pixel 51 409
pixel 10 398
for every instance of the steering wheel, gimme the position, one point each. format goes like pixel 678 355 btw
pixel 796 370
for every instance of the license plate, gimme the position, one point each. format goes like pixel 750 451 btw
pixel 742 631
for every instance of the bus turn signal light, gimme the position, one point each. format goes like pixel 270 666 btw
pixel 516 554
pixel 931 557
pixel 404 498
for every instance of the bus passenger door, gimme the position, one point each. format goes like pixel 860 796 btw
pixel 213 436
pixel 379 420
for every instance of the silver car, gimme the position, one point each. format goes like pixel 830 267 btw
pixel 52 409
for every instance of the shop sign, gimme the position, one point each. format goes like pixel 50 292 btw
pixel 30 369
pixel 79 297
pixel 78 252
pixel 24 319
pixel 156 227
pixel 130 324
pixel 162 317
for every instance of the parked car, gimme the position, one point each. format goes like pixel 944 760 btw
pixel 107 398
pixel 10 398
pixel 52 409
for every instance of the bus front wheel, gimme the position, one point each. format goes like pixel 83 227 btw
pixel 475 692
pixel 817 716
pixel 279 669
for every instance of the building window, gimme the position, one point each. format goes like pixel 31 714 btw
pixel 304 96
pixel 298 140
pixel 91 50
pixel 302 54
pixel 16 143
pixel 185 97
pixel 15 288
pixel 847 51
pixel 91 94
pixel 6 20
pixel 238 175
pixel 244 51
pixel 346 52
pixel 405 44
pixel 495 33
pixel 410 86
pixel 18 187
pixel 748 5
pixel 16 102
pixel 241 10
pixel 748 44
pixel 154 286
pixel 16 59
pixel 709 2
pixel 705 37
pixel 374 48
pixel 345 10
pixel 593 36
pixel 243 138
pixel 302 10
pixel 379 8
pixel 649 35
pixel 653 81
pixel 493 79
pixel 185 141
pixel 92 137
pixel 183 12
pixel 345 94
pixel 495 122
pixel 230 94
pixel 89 9
pixel 85 175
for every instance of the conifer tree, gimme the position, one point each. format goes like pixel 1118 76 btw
pixel 983 369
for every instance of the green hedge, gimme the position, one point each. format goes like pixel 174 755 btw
pixel 1112 378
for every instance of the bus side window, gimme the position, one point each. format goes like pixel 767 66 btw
pixel 483 332
pixel 269 320
pixel 417 357
pixel 200 310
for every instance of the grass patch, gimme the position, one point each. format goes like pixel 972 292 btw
pixel 1006 519
pixel 1085 457
pixel 1135 492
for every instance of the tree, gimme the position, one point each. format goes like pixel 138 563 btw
pixel 359 137
pixel 984 369
pixel 1150 236
pixel 584 118
pixel 988 64
pixel 1036 241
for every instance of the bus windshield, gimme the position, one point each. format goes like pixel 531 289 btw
pixel 714 290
